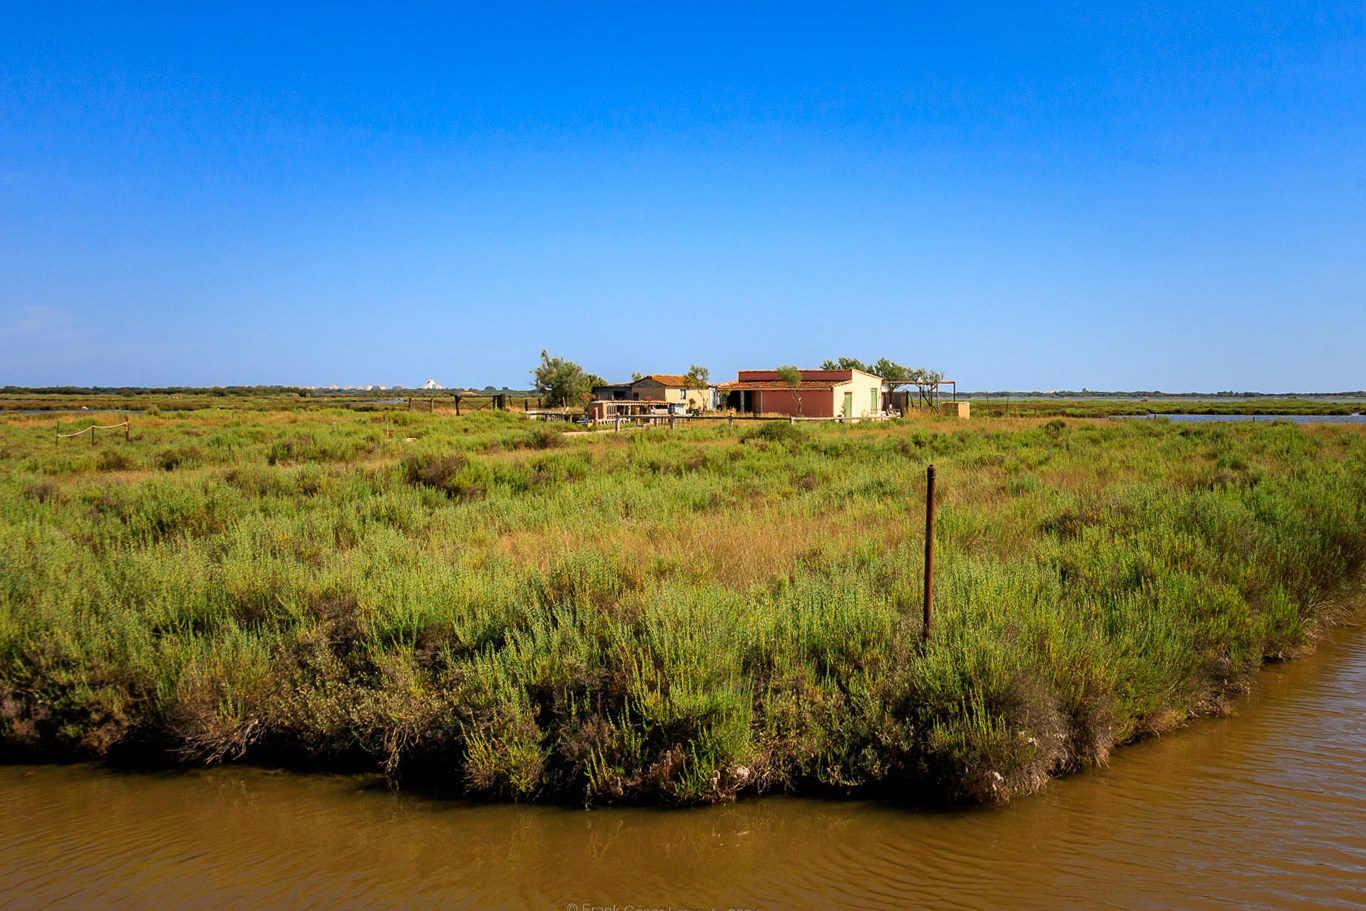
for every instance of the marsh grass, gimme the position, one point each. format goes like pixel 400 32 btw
pixel 675 617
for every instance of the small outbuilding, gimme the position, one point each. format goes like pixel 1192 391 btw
pixel 669 388
pixel 956 409
pixel 819 394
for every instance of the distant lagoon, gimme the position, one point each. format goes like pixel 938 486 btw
pixel 1204 418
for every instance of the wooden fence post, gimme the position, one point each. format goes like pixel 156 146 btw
pixel 929 552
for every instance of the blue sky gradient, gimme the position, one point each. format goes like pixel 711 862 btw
pixel 1025 197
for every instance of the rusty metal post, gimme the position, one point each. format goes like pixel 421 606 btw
pixel 929 552
pixel 457 406
pixel 127 431
pixel 92 435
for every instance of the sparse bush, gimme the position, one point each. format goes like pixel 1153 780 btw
pixel 176 457
pixel 776 432
pixel 542 436
pixel 114 460
pixel 450 473
pixel 43 491
pixel 280 451
pixel 259 482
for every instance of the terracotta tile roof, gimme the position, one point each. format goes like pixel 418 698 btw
pixel 761 385
pixel 666 379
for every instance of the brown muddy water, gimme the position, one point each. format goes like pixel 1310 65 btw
pixel 1266 809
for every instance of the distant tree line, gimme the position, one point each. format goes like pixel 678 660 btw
pixel 155 390
pixel 886 368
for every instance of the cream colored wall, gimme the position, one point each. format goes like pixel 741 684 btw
pixel 649 389
pixel 862 386
pixel 697 399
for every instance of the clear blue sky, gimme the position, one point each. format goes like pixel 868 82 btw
pixel 1027 197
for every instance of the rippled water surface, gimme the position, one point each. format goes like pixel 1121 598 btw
pixel 1265 809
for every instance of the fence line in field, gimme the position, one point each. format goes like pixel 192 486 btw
pixel 59 436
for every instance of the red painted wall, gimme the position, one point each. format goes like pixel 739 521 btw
pixel 816 403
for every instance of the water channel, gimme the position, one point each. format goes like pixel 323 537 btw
pixel 1266 809
pixel 1247 418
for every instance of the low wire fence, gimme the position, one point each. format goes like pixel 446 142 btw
pixel 59 436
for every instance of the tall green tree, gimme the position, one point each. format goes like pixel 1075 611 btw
pixel 846 363
pixel 697 377
pixel 561 382
pixel 791 376
pixel 891 371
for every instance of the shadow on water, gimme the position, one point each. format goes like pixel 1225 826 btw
pixel 1265 809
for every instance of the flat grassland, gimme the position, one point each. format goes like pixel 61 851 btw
pixel 486 605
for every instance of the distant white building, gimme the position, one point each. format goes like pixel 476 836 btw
pixel 431 384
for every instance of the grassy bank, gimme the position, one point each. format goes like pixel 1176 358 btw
pixel 486 604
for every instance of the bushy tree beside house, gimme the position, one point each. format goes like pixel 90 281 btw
pixel 562 382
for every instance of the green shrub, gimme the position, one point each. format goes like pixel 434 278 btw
pixel 450 473
pixel 776 432
pixel 542 436
pixel 176 457
pixel 114 460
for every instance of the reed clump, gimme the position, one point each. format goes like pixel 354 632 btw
pixel 486 605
